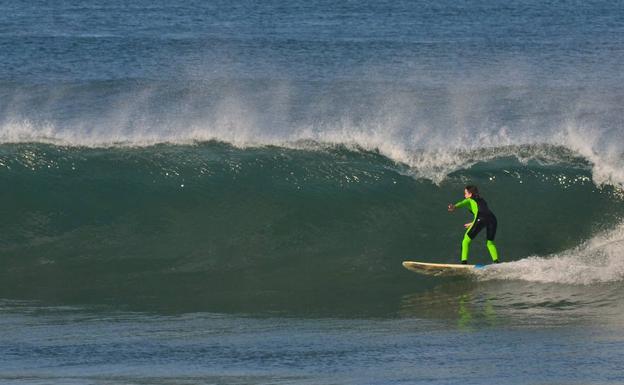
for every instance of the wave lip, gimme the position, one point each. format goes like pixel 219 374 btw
pixel 424 159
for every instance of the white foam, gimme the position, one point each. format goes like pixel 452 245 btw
pixel 427 152
pixel 465 127
pixel 599 260
pixel 605 155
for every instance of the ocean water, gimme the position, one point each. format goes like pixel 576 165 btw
pixel 223 192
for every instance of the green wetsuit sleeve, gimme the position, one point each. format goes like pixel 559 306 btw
pixel 472 206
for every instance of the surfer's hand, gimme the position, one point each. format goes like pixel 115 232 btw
pixel 450 207
pixel 467 225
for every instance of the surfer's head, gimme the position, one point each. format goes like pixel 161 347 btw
pixel 471 191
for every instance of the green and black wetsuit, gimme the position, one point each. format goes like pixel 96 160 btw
pixel 483 217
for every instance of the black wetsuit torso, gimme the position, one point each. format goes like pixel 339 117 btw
pixel 485 218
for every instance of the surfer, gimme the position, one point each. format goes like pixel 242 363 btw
pixel 483 217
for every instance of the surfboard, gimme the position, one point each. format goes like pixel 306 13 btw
pixel 441 269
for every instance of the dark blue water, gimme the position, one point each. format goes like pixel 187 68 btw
pixel 223 192
pixel 320 40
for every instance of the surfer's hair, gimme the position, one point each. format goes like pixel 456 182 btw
pixel 472 189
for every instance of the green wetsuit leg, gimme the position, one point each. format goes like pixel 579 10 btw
pixel 492 249
pixel 465 247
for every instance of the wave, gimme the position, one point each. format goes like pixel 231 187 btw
pixel 227 226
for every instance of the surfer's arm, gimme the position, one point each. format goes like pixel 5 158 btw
pixel 460 204
pixel 472 206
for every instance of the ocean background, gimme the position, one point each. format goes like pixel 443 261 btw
pixel 222 192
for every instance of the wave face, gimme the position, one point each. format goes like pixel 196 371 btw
pixel 213 226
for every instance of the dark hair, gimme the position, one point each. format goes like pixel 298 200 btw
pixel 472 189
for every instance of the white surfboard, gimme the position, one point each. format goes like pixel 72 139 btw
pixel 441 269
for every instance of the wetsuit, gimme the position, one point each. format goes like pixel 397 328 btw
pixel 483 217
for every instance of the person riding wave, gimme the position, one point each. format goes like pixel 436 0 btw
pixel 483 217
